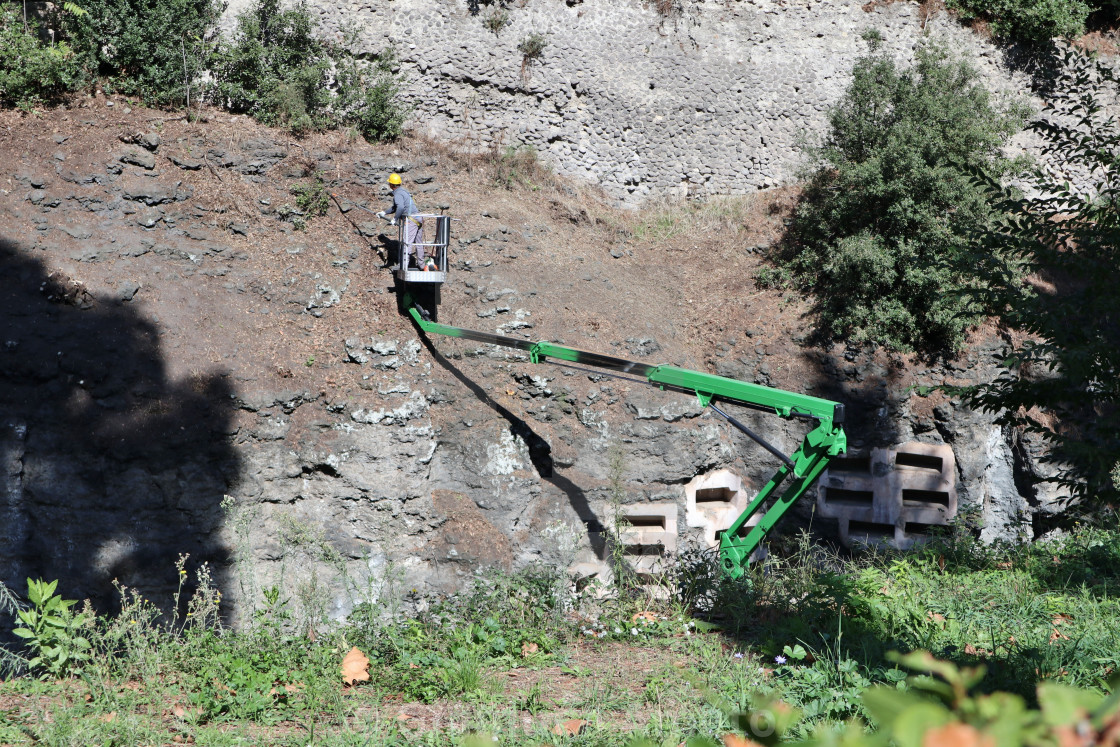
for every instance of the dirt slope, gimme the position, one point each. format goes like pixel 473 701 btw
pixel 231 285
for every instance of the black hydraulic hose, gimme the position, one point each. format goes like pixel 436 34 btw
pixel 755 437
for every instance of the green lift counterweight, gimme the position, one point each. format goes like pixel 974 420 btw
pixel 797 471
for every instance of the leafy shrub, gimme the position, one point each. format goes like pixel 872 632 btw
pixel 277 70
pixel 154 50
pixel 1028 20
pixel 532 46
pixel 312 198
pixel 32 72
pixel 890 202
pixel 1063 383
pixel 370 96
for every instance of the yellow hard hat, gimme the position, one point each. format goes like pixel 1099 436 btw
pixel 394 179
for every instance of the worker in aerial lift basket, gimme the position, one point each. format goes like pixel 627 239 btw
pixel 404 209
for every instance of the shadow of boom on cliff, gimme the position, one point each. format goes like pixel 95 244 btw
pixel 108 470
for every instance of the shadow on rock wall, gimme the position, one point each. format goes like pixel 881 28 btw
pixel 109 470
pixel 540 452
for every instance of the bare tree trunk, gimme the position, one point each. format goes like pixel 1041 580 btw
pixel 186 76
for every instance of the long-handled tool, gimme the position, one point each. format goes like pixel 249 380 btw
pixel 338 200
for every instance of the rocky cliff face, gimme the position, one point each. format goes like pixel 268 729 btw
pixel 703 98
pixel 183 370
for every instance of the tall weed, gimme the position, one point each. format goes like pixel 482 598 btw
pixel 11 663
pixel 517 165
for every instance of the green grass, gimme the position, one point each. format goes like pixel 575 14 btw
pixel 520 654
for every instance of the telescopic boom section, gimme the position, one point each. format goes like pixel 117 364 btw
pixel 793 478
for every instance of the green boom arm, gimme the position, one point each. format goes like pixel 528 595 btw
pixel 823 442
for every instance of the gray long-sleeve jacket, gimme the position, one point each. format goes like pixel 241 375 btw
pixel 403 204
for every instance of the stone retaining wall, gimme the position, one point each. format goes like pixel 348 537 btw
pixel 714 101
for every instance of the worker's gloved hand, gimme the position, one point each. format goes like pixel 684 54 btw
pixel 380 213
pixel 392 221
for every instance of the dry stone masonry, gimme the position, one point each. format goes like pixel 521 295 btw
pixel 715 101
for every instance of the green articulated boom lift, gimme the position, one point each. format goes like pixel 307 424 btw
pixel 796 473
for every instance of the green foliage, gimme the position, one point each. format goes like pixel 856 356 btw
pixel 891 204
pixel 261 676
pixel 1063 382
pixel 1027 20
pixel 940 707
pixel 32 72
pixel 278 70
pixel 154 50
pixel 783 670
pixel 826 624
pixel 497 20
pixel 10 662
pixel 370 97
pixel 532 50
pixel 1024 613
pixel 943 708
pixel 502 619
pixel 275 68
pixel 532 46
pixel 826 684
pixel 53 632
pixel 517 164
pixel 312 198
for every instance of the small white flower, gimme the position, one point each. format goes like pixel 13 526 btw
pixel 633 631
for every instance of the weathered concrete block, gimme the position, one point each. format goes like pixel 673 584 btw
pixel 890 496
pixel 713 501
